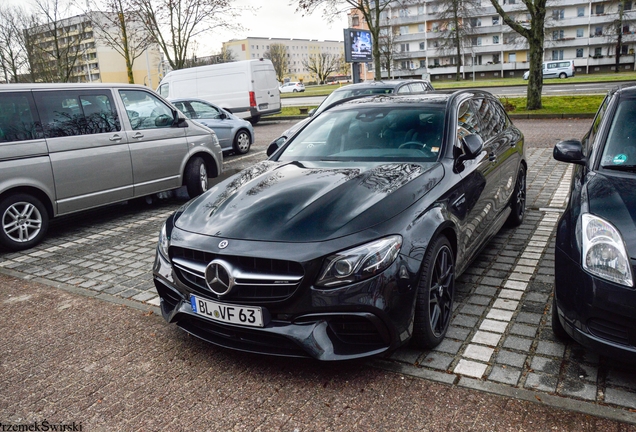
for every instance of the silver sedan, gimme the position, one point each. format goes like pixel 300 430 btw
pixel 234 133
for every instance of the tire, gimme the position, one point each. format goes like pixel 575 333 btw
pixel 242 142
pixel 254 119
pixel 563 75
pixel 295 91
pixel 196 177
pixel 24 221
pixel 434 303
pixel 518 200
pixel 557 327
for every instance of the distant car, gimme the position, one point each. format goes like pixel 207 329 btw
pixel 347 241
pixel 556 69
pixel 233 133
pixel 292 87
pixel 354 91
pixel 594 290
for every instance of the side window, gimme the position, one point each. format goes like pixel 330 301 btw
pixel 146 111
pixel 18 117
pixel 82 112
pixel 596 124
pixel 467 120
pixel 404 90
pixel 205 111
pixel 417 88
pixel 493 118
pixel 164 90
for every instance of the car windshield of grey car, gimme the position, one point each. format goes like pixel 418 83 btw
pixel 370 134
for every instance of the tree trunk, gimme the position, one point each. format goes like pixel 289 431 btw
pixel 535 78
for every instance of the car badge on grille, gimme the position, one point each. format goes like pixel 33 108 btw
pixel 223 244
pixel 218 277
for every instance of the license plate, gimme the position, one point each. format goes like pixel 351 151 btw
pixel 263 106
pixel 227 313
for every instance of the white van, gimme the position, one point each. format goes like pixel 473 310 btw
pixel 556 69
pixel 248 88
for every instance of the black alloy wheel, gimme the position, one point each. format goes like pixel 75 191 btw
pixel 434 305
pixel 518 200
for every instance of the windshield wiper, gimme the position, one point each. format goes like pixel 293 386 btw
pixel 631 168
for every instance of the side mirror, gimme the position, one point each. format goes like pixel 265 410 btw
pixel 311 112
pixel 472 145
pixel 164 120
pixel 275 145
pixel 570 151
pixel 222 116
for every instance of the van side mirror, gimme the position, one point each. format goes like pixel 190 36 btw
pixel 222 115
pixel 570 151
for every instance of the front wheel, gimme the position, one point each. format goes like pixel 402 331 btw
pixel 434 304
pixel 196 177
pixel 242 142
pixel 24 221
pixel 518 200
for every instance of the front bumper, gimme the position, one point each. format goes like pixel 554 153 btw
pixel 596 313
pixel 359 320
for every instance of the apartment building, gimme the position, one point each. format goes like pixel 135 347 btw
pixel 298 51
pixel 72 47
pixel 585 31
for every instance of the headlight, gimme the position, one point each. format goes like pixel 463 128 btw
pixel 164 243
pixel 604 252
pixel 359 263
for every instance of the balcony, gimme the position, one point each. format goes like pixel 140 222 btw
pixel 414 19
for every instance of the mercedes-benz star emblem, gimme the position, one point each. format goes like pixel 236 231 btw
pixel 223 244
pixel 218 277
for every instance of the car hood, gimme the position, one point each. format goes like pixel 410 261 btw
pixel 613 197
pixel 307 202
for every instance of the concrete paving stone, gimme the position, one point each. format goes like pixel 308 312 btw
pixel 578 389
pixel 536 286
pixel 460 333
pixel 546 383
pixel 524 269
pixel 470 309
pixel 617 376
pixel 486 338
pixel 548 279
pixel 497 274
pixel 528 262
pixel 448 346
pixel 581 355
pixel 537 297
pixel 115 289
pixel 578 372
pixel 523 277
pixel 509 253
pixel 437 360
pixel 528 318
pixel 503 260
pixel 500 315
pixel 490 281
pixel 546 365
pixel 93 275
pixel 511 358
pixel 621 397
pixel 486 291
pixel 524 330
pixel 135 273
pixel 555 349
pixel 493 326
pixel 506 304
pixel 517 343
pixel 478 352
pixel 143 296
pixel 129 293
pixel 532 307
pixel 531 256
pixel 89 284
pixel 505 375
pixel 465 321
pixel 76 281
pixel 510 294
pixel 470 368
pixel 100 287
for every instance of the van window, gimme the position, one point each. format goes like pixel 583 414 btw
pixel 18 117
pixel 70 113
pixel 146 111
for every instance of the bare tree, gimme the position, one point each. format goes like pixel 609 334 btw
pixel 370 10
pixel 120 28
pixel 56 45
pixel 175 24
pixel 617 28
pixel 388 48
pixel 322 65
pixel 459 22
pixel 277 53
pixel 13 53
pixel 534 33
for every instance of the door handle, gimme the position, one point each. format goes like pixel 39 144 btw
pixel 138 135
pixel 115 137
pixel 492 157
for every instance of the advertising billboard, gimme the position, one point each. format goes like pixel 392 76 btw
pixel 357 46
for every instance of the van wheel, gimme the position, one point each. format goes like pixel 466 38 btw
pixel 434 303
pixel 254 119
pixel 563 75
pixel 518 200
pixel 196 177
pixel 24 221
pixel 242 142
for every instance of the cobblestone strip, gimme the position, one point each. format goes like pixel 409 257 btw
pixel 477 354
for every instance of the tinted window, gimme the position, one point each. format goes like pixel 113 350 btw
pixel 588 142
pixel 417 88
pixel 18 117
pixel 70 113
pixel 467 120
pixel 204 111
pixel 146 111
pixel 493 118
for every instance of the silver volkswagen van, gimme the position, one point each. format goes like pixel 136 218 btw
pixel 71 147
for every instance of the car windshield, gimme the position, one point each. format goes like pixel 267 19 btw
pixel 345 93
pixel 620 149
pixel 362 133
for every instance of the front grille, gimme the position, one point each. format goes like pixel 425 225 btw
pixel 609 331
pixel 257 279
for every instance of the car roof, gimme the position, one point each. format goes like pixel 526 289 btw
pixel 437 97
pixel 382 84
pixel 77 86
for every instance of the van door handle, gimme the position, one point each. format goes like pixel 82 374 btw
pixel 115 137
pixel 138 135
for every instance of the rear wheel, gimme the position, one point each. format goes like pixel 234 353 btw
pixel 434 304
pixel 254 119
pixel 518 200
pixel 557 327
pixel 563 75
pixel 242 142
pixel 24 221
pixel 196 177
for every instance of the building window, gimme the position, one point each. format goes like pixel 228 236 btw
pixel 579 52
pixel 355 20
pixel 495 20
pixel 558 14
pixel 512 57
pixel 422 46
pixel 404 13
pixel 404 47
pixel 580 11
pixel 420 28
pixel 495 39
pixel 598 31
pixel 475 22
pixel 557 54
pixel 475 41
pixel 495 58
pixel 557 35
pixel 628 5
pixel 598 52
pixel 404 30
pixel 435 62
pixel 579 32
pixel 599 9
pixel 420 10
pixel 422 63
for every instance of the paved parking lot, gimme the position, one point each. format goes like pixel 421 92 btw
pixel 500 339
